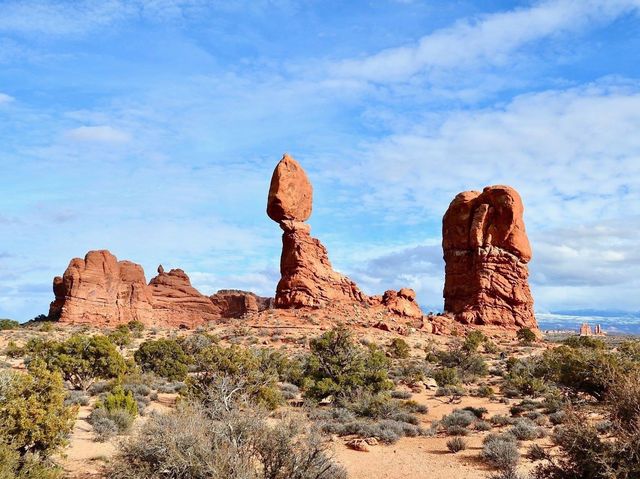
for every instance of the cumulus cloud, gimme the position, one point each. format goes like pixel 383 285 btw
pixel 4 98
pixel 486 40
pixel 99 134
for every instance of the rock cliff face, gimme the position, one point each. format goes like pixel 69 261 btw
pixel 234 303
pixel 102 291
pixel 486 251
pixel 178 304
pixel 307 278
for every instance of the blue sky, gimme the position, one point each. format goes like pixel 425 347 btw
pixel 151 128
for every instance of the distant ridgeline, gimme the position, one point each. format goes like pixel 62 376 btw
pixel 612 322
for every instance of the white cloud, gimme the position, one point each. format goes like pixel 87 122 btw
pixel 487 40
pixel 574 155
pixel 98 134
pixel 4 98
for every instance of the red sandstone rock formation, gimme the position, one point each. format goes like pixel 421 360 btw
pixel 102 291
pixel 486 251
pixel 585 330
pixel 176 303
pixel 236 304
pixel 290 192
pixel 307 278
pixel 402 303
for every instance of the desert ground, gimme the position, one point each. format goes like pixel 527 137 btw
pixel 425 456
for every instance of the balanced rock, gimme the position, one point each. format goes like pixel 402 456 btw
pixel 290 193
pixel 486 251
pixel 307 278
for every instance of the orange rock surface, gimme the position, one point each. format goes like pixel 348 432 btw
pixel 101 291
pixel 290 192
pixel 486 251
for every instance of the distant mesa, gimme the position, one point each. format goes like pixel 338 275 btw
pixel 585 330
pixel 486 253
pixel 102 291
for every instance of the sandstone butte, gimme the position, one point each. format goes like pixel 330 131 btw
pixel 102 291
pixel 307 277
pixel 486 252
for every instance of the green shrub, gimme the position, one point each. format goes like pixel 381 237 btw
pixel 28 466
pixel 469 364
pixel 486 392
pixel 585 342
pixel 107 423
pixel 339 367
pixel 6 324
pixel 583 369
pixel 250 371
pixel 32 410
pixel 13 350
pixel 446 377
pixel 136 327
pixel 276 363
pixel 526 336
pixel 474 340
pixel 522 378
pixel 121 336
pixel 398 348
pixel 114 414
pixel 119 399
pixel 81 359
pixel 163 357
pixel 585 452
pixel 630 349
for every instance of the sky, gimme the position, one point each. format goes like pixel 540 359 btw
pixel 151 128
